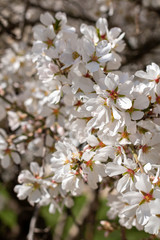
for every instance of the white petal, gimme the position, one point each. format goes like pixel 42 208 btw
pixel 34 196
pixel 92 140
pixel 22 191
pixel 54 97
pixel 124 102
pixel 123 183
pixel 46 18
pixel 143 183
pixel 114 169
pixel 92 66
pixel 141 102
pixel 129 210
pixel 153 225
pixel 136 115
pixel 111 81
pixel 35 168
pixel 16 157
pixel 143 214
pixel 5 162
pixel 132 197
pixel 105 58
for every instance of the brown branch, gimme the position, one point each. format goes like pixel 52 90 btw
pixel 69 213
pixel 123 233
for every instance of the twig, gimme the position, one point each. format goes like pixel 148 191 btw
pixel 32 225
pixel 87 228
pixel 45 230
pixel 123 234
pixel 137 161
pixel 69 212
pixel 16 107
pixel 24 19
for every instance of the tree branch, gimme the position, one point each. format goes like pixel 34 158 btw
pixel 123 233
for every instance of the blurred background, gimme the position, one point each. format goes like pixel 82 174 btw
pixel 140 20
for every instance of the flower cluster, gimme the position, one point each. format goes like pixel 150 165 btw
pixel 83 121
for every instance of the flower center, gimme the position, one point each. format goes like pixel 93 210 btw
pixel 66 161
pixel 130 172
pixel 131 110
pixel 94 58
pixel 49 42
pixel 75 55
pixel 118 151
pixel 157 79
pixel 89 164
pixel 78 104
pixel 37 176
pixel 56 111
pixel 124 134
pixel 147 197
pixel 145 148
pixel 13 60
pixel 103 36
pixel 7 151
pixel 87 75
pixel 113 94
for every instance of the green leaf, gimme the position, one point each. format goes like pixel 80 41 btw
pixel 4 192
pixel 49 218
pixel 8 217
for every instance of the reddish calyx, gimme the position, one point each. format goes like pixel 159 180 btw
pixel 145 148
pixel 157 79
pixel 94 58
pixel 89 164
pixel 37 176
pixel 124 134
pixel 113 94
pixel 78 104
pixel 118 151
pixel 8 151
pixel 147 197
pixel 101 144
pixel 56 111
pixel 103 36
pixel 130 172
pixel 87 75
pixel 49 42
